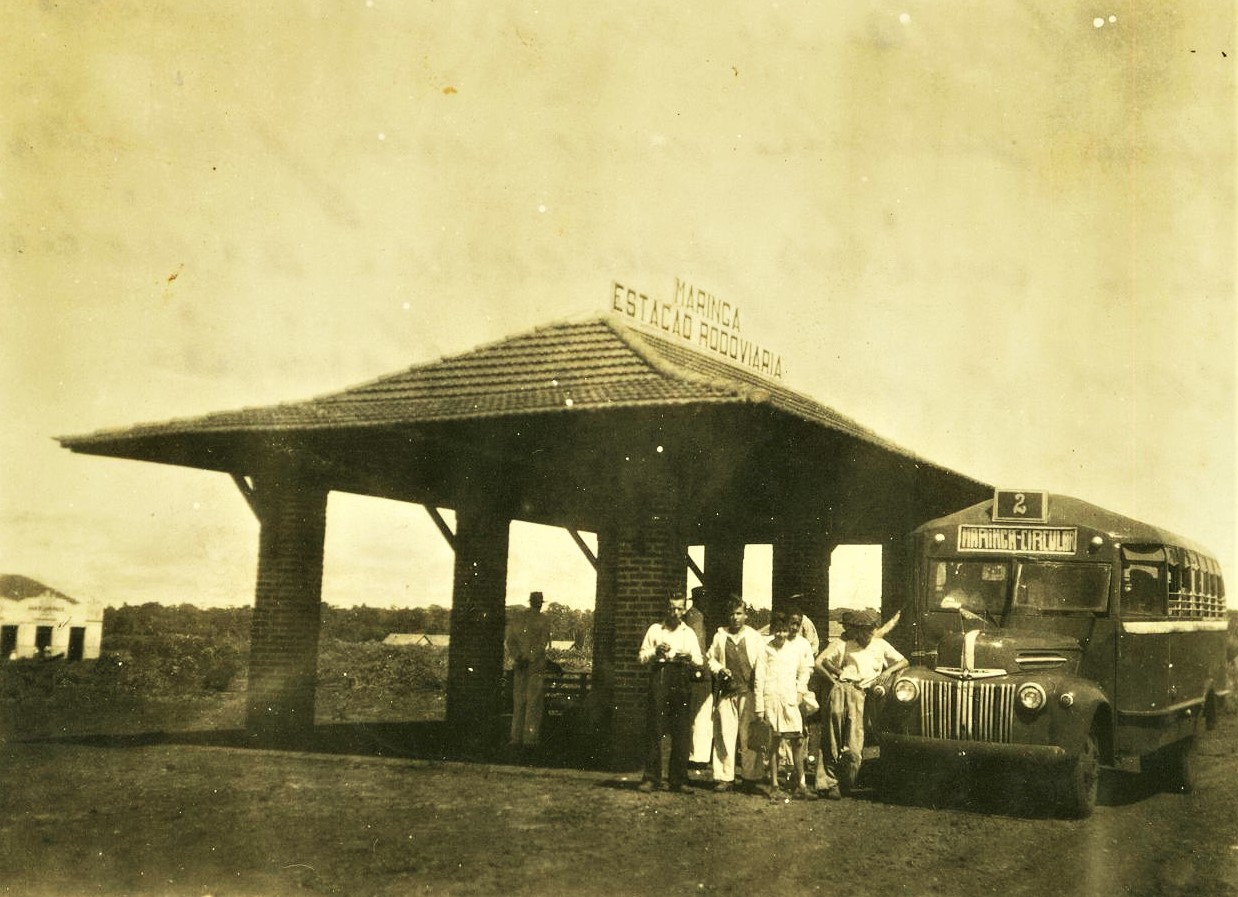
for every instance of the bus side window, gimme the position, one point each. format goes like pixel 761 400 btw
pixel 1143 591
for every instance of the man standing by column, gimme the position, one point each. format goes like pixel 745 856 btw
pixel 733 657
pixel 670 649
pixel 527 639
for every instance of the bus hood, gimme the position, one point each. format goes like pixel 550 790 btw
pixel 983 655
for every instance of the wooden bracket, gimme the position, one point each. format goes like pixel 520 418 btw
pixel 695 569
pixel 442 525
pixel 249 493
pixel 584 547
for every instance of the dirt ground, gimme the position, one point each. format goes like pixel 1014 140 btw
pixel 193 814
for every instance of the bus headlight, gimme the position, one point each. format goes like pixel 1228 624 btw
pixel 906 690
pixel 1031 696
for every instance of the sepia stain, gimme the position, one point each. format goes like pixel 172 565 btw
pixel 167 286
pixel 449 90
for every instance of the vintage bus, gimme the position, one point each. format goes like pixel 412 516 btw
pixel 1047 631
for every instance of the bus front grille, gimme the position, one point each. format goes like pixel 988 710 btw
pixel 967 711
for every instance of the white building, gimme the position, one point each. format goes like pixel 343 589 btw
pixel 36 620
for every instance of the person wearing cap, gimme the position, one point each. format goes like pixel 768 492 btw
pixel 670 650
pixel 527 639
pixel 854 663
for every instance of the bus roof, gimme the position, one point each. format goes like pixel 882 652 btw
pixel 1067 511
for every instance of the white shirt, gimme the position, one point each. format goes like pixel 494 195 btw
pixel 747 638
pixel 782 674
pixel 860 664
pixel 681 639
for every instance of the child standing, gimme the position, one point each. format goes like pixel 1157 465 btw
pixel 781 685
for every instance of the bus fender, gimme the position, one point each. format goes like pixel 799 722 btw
pixel 1089 711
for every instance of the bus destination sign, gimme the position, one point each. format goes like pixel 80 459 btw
pixel 1019 539
pixel 1020 506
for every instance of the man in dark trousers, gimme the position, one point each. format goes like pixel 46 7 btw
pixel 671 650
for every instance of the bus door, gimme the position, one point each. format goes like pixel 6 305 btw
pixel 1143 685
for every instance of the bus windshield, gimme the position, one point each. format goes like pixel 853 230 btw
pixel 1054 586
pixel 979 587
pixel 984 587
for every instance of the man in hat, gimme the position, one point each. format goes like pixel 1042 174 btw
pixel 854 663
pixel 527 639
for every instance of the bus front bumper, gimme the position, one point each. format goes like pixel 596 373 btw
pixel 907 747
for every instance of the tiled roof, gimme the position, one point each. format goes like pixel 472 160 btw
pixel 20 588
pixel 565 368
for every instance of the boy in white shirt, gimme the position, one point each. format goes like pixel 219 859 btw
pixel 781 684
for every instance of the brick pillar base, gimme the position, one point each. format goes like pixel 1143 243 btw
pixel 283 651
pixel 478 612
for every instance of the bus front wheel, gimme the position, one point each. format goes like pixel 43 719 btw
pixel 1081 783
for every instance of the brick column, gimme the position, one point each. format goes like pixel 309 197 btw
pixel 478 615
pixel 283 649
pixel 724 577
pixel 801 566
pixel 649 551
pixel 600 706
pixel 895 574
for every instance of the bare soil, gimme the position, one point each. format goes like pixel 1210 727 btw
pixel 367 810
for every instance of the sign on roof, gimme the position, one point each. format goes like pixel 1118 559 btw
pixel 1018 506
pixel 702 320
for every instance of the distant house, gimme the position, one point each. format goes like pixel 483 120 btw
pixel 434 640
pixel 38 621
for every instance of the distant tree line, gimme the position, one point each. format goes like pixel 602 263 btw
pixel 231 625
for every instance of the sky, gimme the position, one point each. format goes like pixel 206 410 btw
pixel 1000 234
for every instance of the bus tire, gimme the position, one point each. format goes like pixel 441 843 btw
pixel 893 779
pixel 1081 784
pixel 1174 766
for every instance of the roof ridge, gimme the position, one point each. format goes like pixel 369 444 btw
pixel 442 359
pixel 637 341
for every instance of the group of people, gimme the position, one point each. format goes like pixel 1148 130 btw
pixel 763 695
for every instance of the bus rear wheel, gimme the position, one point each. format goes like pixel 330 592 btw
pixel 1081 784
